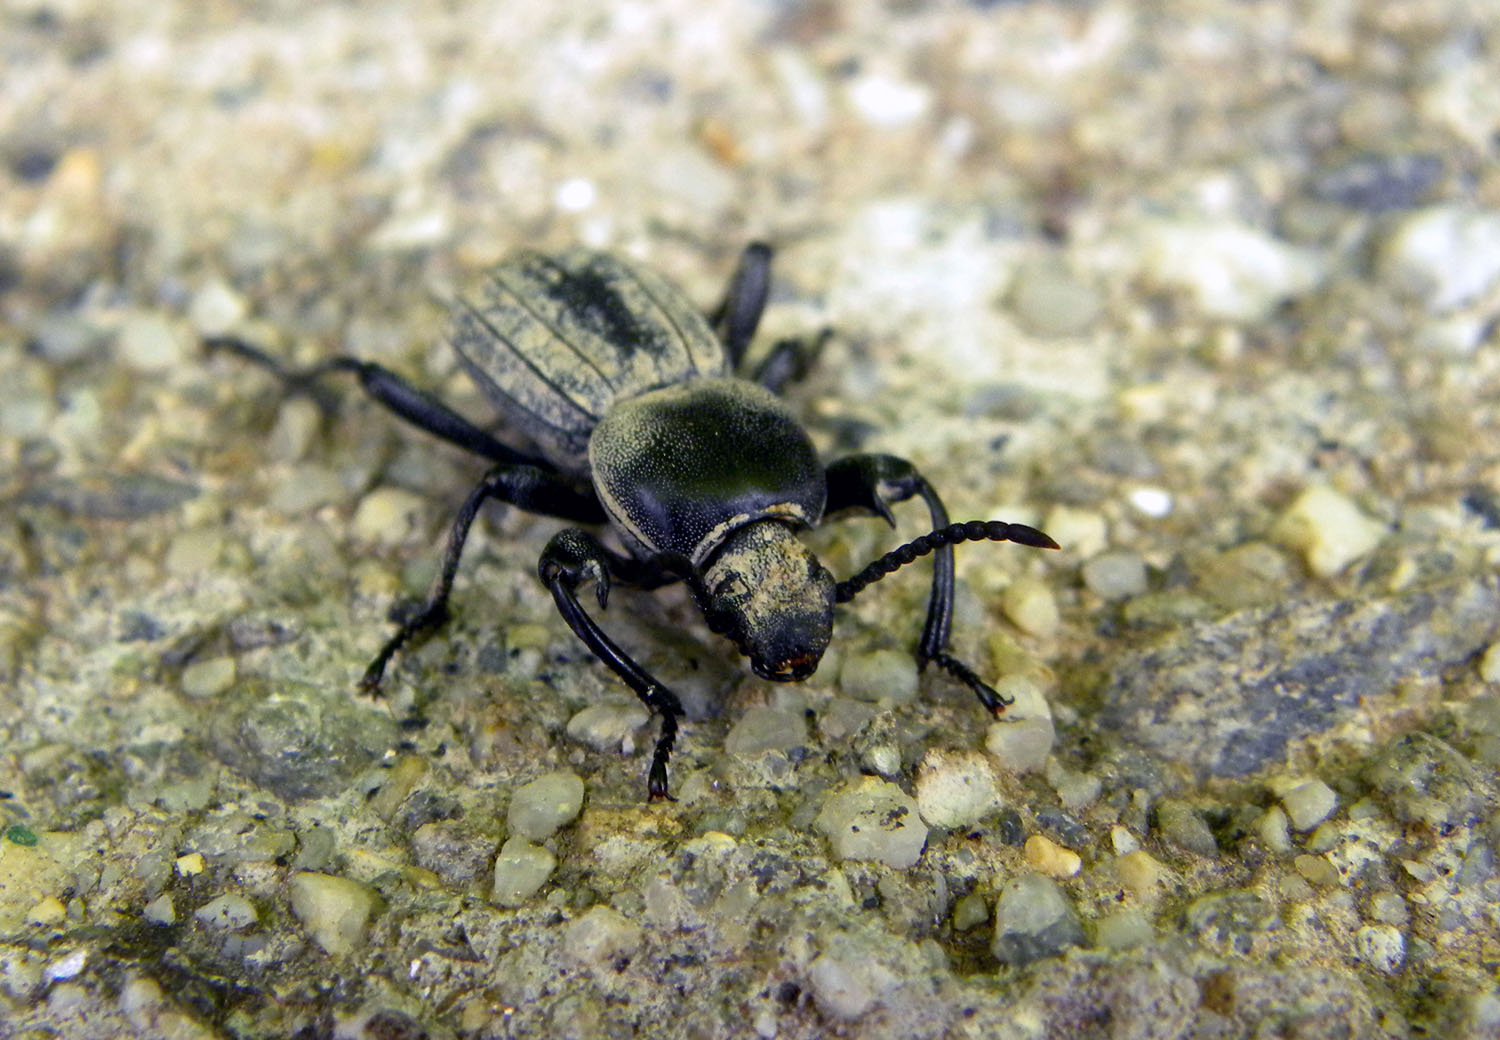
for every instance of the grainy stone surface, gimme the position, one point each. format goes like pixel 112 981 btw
pixel 1208 291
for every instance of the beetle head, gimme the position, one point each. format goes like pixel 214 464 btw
pixel 769 594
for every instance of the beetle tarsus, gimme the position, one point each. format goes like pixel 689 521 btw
pixel 993 700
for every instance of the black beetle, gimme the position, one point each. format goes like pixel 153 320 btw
pixel 631 399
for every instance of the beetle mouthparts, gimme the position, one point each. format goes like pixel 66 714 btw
pixel 792 670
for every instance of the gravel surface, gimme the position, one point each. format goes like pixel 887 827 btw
pixel 1209 292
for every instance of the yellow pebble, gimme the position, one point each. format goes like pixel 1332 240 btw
pixel 1050 858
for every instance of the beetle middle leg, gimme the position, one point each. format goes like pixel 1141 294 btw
pixel 525 487
pixel 867 483
pixel 574 556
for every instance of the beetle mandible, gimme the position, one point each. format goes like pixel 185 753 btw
pixel 640 421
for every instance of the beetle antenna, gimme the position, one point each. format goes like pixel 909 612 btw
pixel 969 531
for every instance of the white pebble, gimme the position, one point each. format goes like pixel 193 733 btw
pixel 540 808
pixel 1152 501
pixel 1234 272
pixel 521 870
pixel 1489 664
pixel 1115 575
pixel 1030 606
pixel 608 726
pixel 228 913
pixel 148 343
pixel 575 195
pixel 160 910
pixel 1448 255
pixel 216 308
pixel 888 676
pixel 873 820
pixel 388 516
pixel 1328 529
pixel 762 729
pixel 601 937
pixel 1309 804
pixel 955 788
pixel 1381 946
pixel 335 911
pixel 886 102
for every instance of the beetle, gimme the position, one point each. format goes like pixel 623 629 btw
pixel 640 421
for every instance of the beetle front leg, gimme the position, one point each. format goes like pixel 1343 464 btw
pixel 526 487
pixel 867 483
pixel 571 558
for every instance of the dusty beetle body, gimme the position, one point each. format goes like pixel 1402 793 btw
pixel 631 398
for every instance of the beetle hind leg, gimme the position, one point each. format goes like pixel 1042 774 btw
pixel 410 403
pixel 574 556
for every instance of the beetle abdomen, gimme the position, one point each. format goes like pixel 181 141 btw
pixel 681 467
pixel 556 341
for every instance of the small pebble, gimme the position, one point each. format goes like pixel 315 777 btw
pixel 540 808
pixel 1389 908
pixel 1489 664
pixel 388 516
pixel 208 678
pixel 216 308
pixel 228 913
pixel 601 938
pixel 1233 271
pixel 308 487
pixel 1447 255
pixel 1033 919
pixel 1317 870
pixel 1031 606
pixel 521 870
pixel 1049 301
pixel 1115 575
pixel 1021 738
pixel 888 676
pixel 1141 873
pixel 148 343
pixel 873 820
pixel 160 910
pixel 1047 857
pixel 842 717
pixel 1274 829
pixel 1083 533
pixel 609 726
pixel 839 988
pixel 1309 804
pixel 881 760
pixel 1152 501
pixel 762 729
pixel 1123 930
pixel 1122 840
pixel 1381 946
pixel 886 102
pixel 298 422
pixel 955 788
pixel 1074 790
pixel 969 911
pixel 1181 825
pixel 46 911
pixel 335 911
pixel 1328 529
